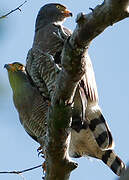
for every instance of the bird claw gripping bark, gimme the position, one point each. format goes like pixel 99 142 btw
pixel 40 152
pixel 44 167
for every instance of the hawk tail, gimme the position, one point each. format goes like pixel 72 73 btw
pixel 91 113
pixel 114 162
pixel 101 131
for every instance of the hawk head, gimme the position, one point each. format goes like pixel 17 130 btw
pixel 51 13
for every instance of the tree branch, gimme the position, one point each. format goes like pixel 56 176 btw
pixel 18 8
pixel 58 164
pixel 74 59
pixel 91 25
pixel 19 172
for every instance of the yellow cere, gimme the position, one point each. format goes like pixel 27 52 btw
pixel 16 67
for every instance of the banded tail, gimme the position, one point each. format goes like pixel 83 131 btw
pixel 114 162
pixel 91 111
pixel 83 143
pixel 100 130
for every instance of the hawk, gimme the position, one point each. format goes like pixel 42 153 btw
pixel 28 101
pixel 32 109
pixel 49 38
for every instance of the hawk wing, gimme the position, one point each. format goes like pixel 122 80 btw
pixel 89 109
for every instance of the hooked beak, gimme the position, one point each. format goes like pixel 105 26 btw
pixel 6 66
pixel 9 67
pixel 67 13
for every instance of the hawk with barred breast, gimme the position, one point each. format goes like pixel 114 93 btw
pixel 90 134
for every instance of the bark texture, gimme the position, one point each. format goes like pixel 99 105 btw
pixel 74 54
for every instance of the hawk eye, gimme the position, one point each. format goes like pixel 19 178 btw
pixel 18 67
pixel 58 7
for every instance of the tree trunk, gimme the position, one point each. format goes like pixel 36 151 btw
pixel 74 54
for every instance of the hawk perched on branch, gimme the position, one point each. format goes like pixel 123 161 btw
pixel 90 134
pixel 49 38
pixel 32 109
